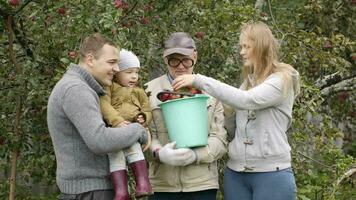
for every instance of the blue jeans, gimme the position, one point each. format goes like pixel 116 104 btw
pixel 199 195
pixel 276 185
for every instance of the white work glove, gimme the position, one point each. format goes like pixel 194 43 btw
pixel 176 157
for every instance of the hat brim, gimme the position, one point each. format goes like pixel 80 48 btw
pixel 183 51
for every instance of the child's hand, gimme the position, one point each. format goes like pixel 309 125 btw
pixel 122 124
pixel 140 119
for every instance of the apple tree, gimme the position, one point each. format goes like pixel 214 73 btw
pixel 39 38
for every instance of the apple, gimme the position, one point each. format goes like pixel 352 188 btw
pixel 118 4
pixel 175 96
pixel 14 3
pixel 164 97
pixel 195 91
pixel 342 96
pixel 327 44
pixel 144 20
pixel 199 35
pixel 61 11
pixel 72 54
pixel 148 7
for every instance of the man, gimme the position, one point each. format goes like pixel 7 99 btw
pixel 80 139
pixel 183 173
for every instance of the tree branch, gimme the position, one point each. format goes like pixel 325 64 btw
pixel 316 161
pixel 15 150
pixel 344 85
pixel 331 79
pixel 346 175
pixel 23 40
pixel 128 12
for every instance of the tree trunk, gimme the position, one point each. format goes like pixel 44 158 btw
pixel 12 179
pixel 18 100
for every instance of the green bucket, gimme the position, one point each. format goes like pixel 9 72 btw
pixel 187 120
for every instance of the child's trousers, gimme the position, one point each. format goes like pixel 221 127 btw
pixel 131 154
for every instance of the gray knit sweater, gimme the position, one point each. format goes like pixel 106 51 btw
pixel 80 139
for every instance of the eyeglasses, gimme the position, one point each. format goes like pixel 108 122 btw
pixel 175 62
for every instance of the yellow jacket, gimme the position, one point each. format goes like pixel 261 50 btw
pixel 203 174
pixel 124 103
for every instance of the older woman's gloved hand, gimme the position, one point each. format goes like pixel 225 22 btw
pixel 176 157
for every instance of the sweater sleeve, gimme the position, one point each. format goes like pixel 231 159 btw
pixel 110 115
pixel 81 106
pixel 269 93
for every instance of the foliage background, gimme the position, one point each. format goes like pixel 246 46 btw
pixel 39 38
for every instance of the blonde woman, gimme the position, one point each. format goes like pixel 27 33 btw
pixel 259 165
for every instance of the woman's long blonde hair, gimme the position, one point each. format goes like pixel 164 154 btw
pixel 264 48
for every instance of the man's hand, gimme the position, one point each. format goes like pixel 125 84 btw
pixel 140 119
pixel 176 157
pixel 183 81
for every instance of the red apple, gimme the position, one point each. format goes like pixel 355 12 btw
pixel 327 44
pixel 148 7
pixel 164 97
pixel 72 54
pixel 61 11
pixel 195 91
pixel 144 20
pixel 342 96
pixel 199 35
pixel 14 3
pixel 118 4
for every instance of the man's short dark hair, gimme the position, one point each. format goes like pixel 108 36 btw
pixel 93 44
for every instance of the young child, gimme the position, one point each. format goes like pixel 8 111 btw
pixel 125 103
